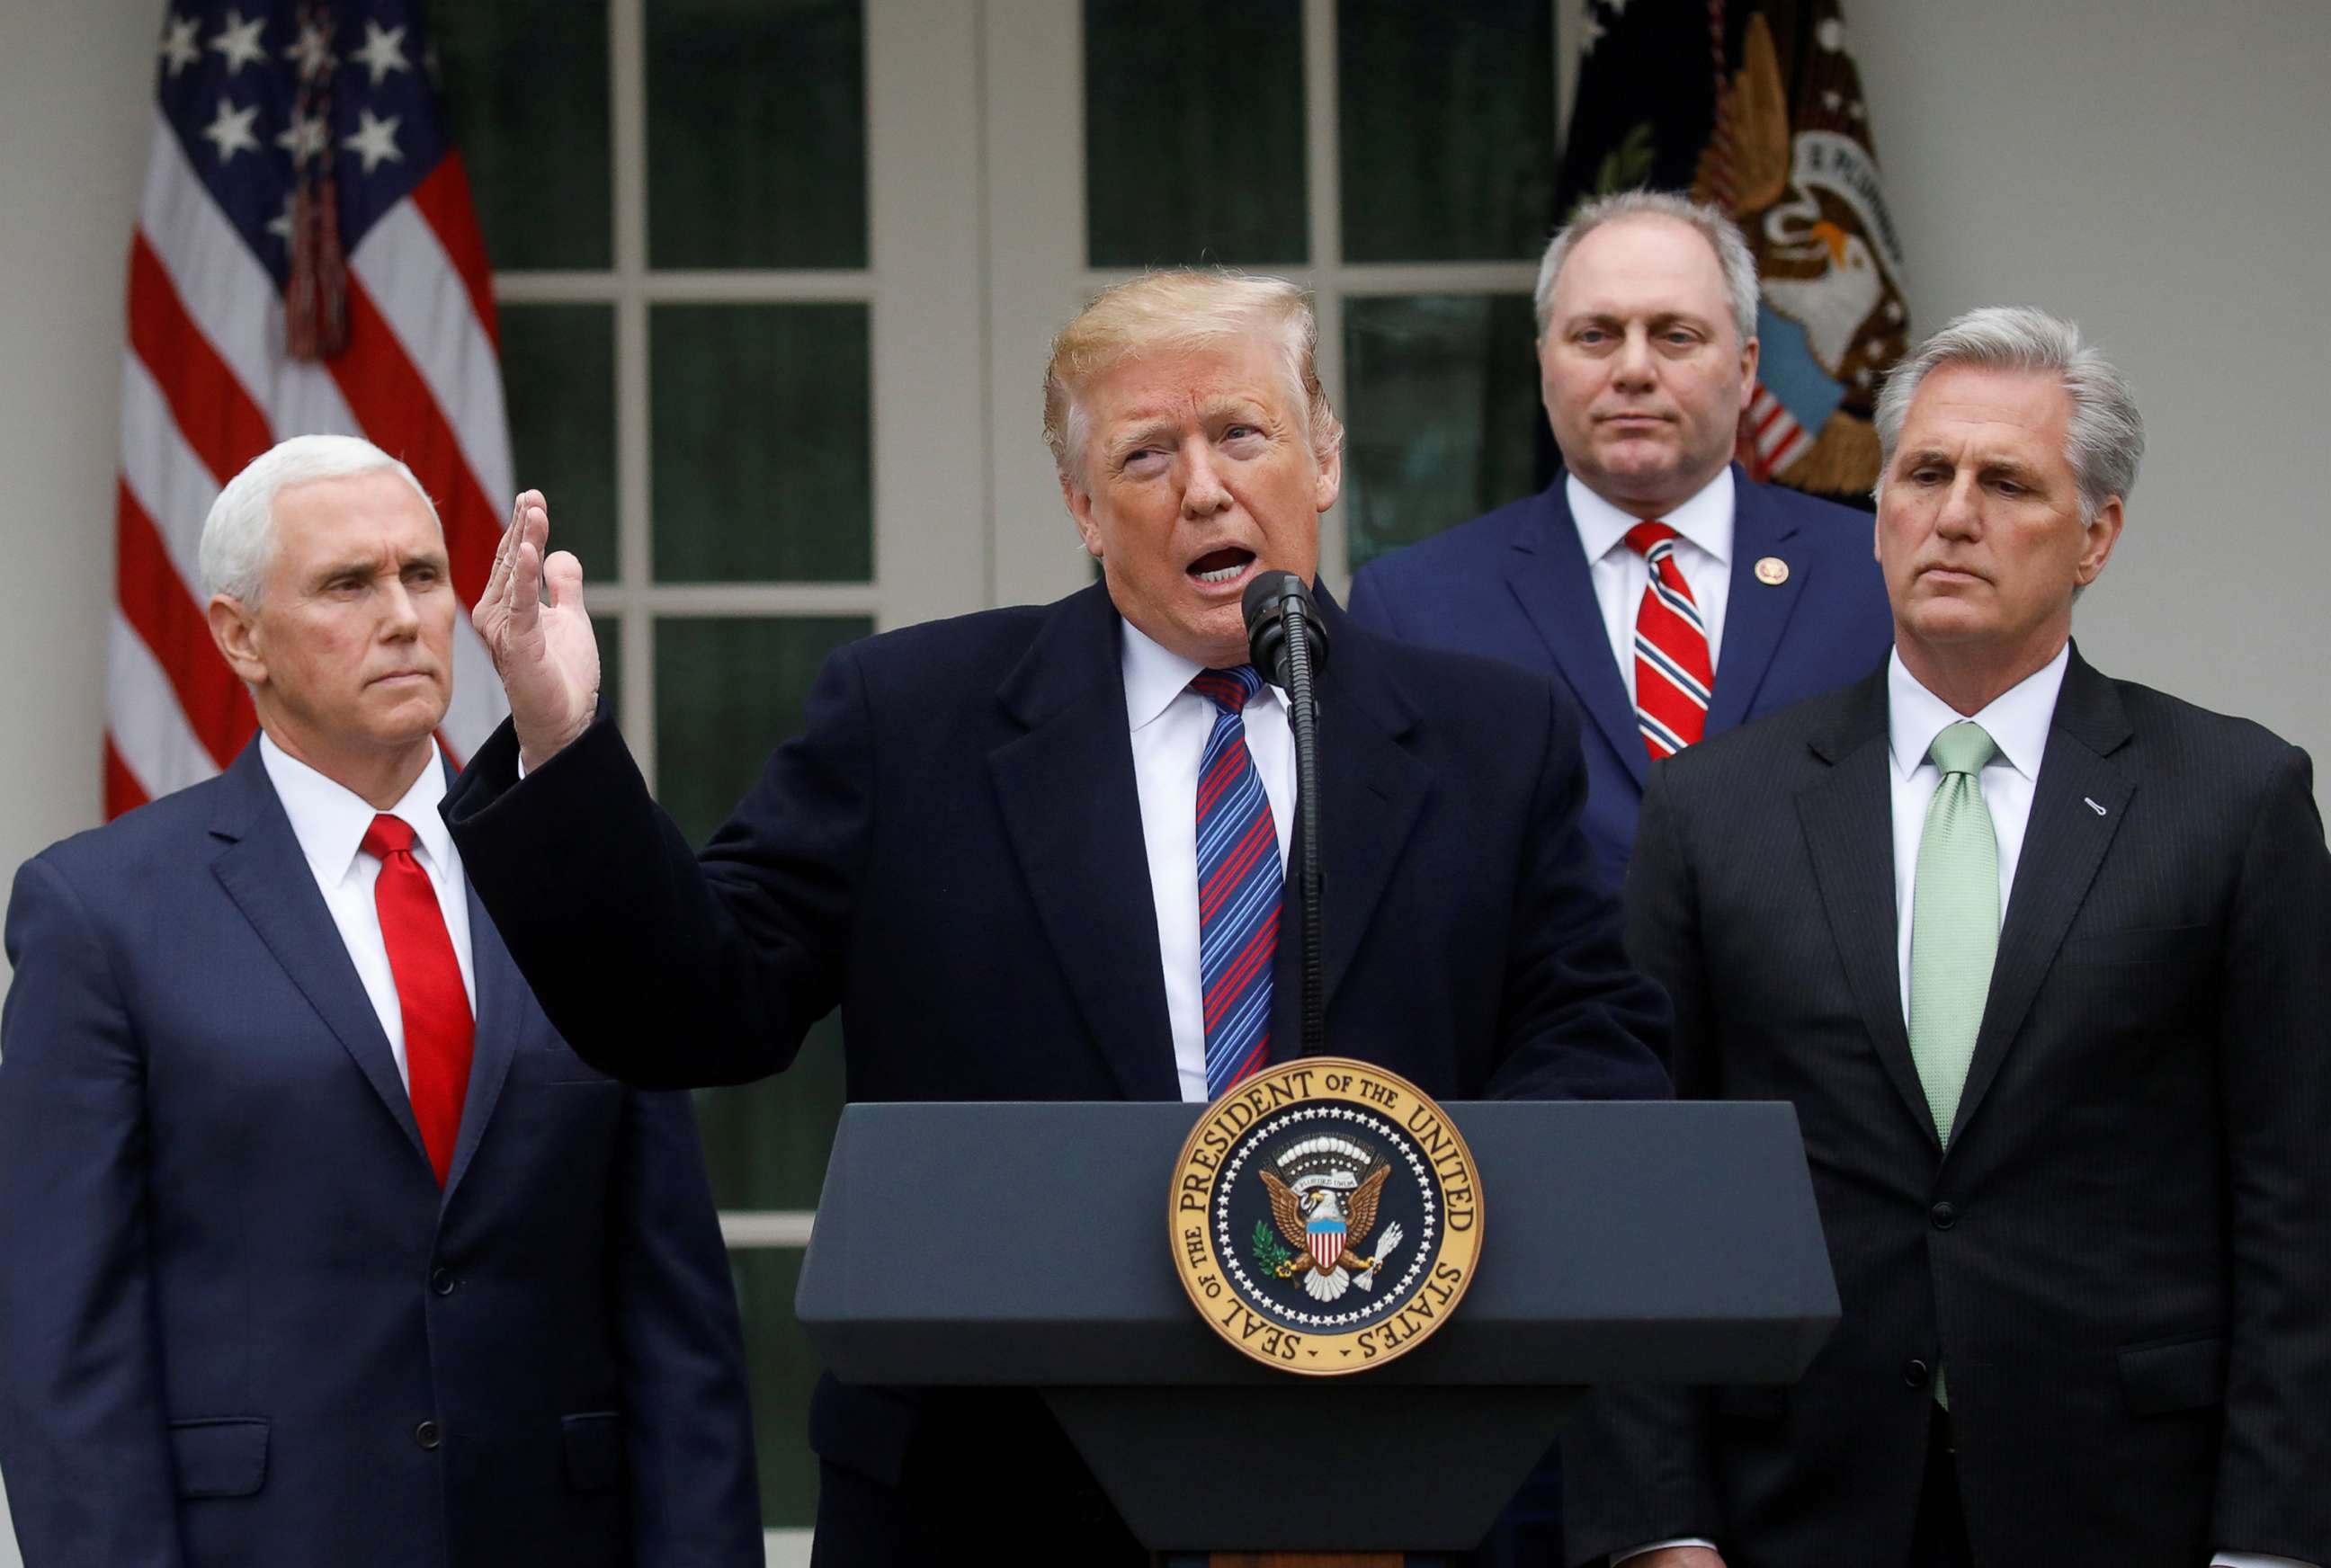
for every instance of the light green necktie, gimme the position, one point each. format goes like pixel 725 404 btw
pixel 1953 921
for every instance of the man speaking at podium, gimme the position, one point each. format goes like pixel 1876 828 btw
pixel 1038 853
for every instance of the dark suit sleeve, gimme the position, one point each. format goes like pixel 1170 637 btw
pixel 1634 1462
pixel 84 1438
pixel 2275 1099
pixel 663 971
pixel 688 1419
pixel 1580 1023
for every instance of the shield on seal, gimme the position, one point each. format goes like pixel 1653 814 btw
pixel 1325 1237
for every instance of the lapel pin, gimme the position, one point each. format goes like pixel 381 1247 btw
pixel 1771 570
pixel 2093 807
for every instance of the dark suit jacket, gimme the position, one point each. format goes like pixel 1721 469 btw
pixel 2124 1260
pixel 952 853
pixel 231 1292
pixel 1515 584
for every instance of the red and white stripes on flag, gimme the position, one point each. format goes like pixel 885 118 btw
pixel 1770 436
pixel 207 381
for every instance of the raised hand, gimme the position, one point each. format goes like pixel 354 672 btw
pixel 532 621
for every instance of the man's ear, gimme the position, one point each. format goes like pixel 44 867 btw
pixel 1328 478
pixel 1080 504
pixel 236 631
pixel 2103 533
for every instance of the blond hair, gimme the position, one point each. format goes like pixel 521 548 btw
pixel 1186 308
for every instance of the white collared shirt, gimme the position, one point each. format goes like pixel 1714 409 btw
pixel 2017 720
pixel 1170 725
pixel 330 820
pixel 1703 553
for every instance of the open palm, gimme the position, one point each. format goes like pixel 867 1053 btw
pixel 532 620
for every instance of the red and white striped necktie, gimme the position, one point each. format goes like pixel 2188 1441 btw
pixel 1674 674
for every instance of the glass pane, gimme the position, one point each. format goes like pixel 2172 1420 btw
pixel 757 133
pixel 784 1368
pixel 608 628
pixel 760 427
pixel 1444 413
pixel 558 376
pixel 1447 120
pixel 1193 132
pixel 766 1143
pixel 727 691
pixel 525 84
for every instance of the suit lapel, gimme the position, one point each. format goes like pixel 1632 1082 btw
pixel 1755 612
pixel 1849 824
pixel 1070 808
pixel 503 1006
pixel 262 871
pixel 1546 572
pixel 1370 791
pixel 2083 792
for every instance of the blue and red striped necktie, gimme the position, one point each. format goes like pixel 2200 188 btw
pixel 1239 883
pixel 1673 677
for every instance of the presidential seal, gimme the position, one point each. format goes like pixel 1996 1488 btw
pixel 1326 1216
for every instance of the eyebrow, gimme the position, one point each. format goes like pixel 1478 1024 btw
pixel 1656 318
pixel 2014 468
pixel 369 566
pixel 1146 433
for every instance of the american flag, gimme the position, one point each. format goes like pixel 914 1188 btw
pixel 306 260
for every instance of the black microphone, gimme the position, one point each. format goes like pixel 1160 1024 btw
pixel 1289 648
pixel 1266 604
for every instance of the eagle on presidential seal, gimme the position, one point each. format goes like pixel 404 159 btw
pixel 1323 1199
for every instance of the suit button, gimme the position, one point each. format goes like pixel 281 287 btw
pixel 1944 1216
pixel 1915 1373
pixel 443 1281
pixel 427 1435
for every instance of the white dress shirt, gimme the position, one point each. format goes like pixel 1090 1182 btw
pixel 330 819
pixel 1170 724
pixel 2017 720
pixel 1703 553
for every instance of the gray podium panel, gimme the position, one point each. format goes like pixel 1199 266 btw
pixel 1001 1244
pixel 1031 1245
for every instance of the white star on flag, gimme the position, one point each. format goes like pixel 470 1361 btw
pixel 230 131
pixel 281 225
pixel 374 140
pixel 1590 34
pixel 313 53
pixel 240 42
pixel 179 45
pixel 304 138
pixel 383 51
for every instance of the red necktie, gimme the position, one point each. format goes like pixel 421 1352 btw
pixel 1673 676
pixel 438 1027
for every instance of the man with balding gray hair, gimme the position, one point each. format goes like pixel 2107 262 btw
pixel 1675 596
pixel 2039 957
pixel 317 1244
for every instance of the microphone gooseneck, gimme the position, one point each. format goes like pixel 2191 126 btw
pixel 1289 648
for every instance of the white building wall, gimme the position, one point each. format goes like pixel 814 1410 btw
pixel 2158 171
